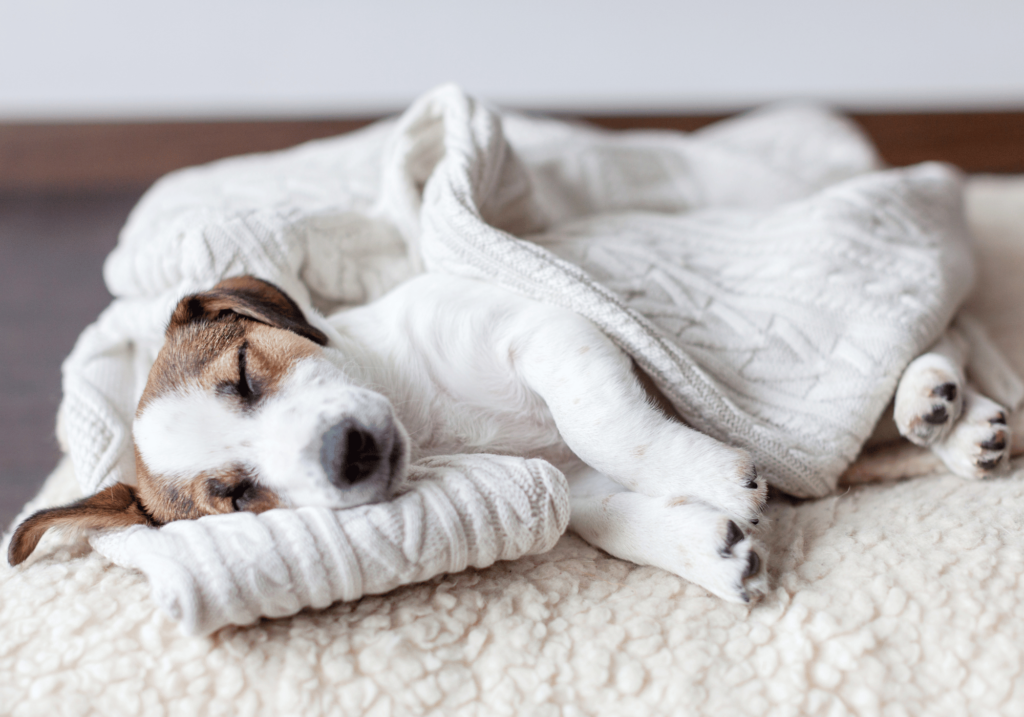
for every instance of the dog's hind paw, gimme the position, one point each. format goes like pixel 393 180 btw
pixel 929 399
pixel 978 446
pixel 719 555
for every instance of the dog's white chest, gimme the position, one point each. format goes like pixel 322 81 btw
pixel 442 351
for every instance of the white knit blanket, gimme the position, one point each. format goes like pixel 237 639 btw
pixel 772 284
pixel 899 598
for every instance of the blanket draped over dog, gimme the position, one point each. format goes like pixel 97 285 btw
pixel 770 278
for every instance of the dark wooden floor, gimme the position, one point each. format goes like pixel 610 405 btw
pixel 51 286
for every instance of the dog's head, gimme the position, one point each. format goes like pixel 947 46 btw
pixel 244 410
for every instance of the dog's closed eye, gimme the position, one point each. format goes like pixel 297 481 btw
pixel 242 494
pixel 243 386
pixel 246 387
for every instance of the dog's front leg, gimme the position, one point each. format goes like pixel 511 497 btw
pixel 606 418
pixel 691 539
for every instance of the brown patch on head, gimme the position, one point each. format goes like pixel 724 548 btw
pixel 238 338
pixel 115 507
pixel 249 297
pixel 236 341
pixel 677 501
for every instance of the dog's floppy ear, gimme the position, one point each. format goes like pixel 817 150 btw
pixel 249 297
pixel 115 507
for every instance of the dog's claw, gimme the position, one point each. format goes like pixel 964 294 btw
pixel 753 565
pixel 946 390
pixel 938 415
pixel 996 444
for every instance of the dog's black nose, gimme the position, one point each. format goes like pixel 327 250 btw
pixel 351 453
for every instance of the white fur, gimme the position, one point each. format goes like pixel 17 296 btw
pixel 469 367
pixel 970 441
pixel 682 536
pixel 183 434
pixel 917 395
pixel 971 450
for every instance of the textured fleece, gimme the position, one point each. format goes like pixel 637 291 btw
pixel 892 599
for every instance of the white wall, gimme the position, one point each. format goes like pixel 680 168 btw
pixel 66 59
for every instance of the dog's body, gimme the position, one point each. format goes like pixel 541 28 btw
pixel 250 407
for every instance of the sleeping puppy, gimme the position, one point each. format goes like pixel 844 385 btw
pixel 250 407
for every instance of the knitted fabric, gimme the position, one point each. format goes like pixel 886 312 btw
pixel 768 278
pixel 769 281
pixel 234 569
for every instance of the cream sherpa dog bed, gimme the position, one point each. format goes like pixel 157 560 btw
pixel 900 597
pixel 764 271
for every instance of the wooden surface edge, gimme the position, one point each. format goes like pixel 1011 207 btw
pixel 76 157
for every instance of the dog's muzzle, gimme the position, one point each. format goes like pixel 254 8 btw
pixel 353 453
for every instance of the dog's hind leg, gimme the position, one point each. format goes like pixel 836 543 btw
pixel 605 416
pixel 687 537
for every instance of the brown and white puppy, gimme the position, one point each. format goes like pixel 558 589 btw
pixel 249 406
pixel 230 390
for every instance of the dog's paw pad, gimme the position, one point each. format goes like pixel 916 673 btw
pixel 948 391
pixel 753 565
pixel 733 535
pixel 979 444
pixel 709 547
pixel 740 566
pixel 929 399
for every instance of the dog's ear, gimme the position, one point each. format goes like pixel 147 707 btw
pixel 249 297
pixel 115 507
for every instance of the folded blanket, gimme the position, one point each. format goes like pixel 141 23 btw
pixel 233 569
pixel 772 284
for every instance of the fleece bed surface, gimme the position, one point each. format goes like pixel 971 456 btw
pixel 889 599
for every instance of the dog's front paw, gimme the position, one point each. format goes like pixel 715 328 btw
pixel 929 399
pixel 731 484
pixel 683 535
pixel 978 446
pixel 709 548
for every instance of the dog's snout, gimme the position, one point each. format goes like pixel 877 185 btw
pixel 361 455
pixel 352 453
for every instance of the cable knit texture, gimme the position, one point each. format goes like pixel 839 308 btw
pixel 771 283
pixel 234 569
pixel 894 599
